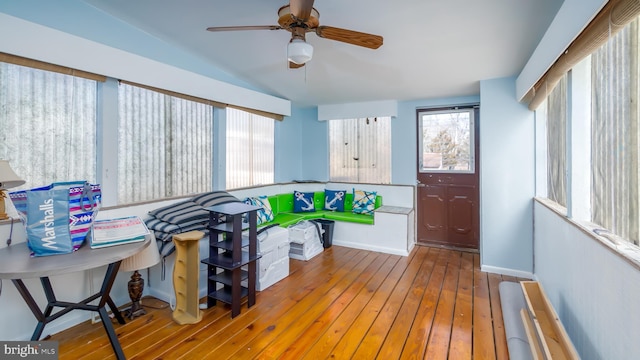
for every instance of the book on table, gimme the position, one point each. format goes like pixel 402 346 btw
pixel 117 231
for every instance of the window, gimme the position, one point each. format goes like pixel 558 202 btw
pixel 48 123
pixel 249 150
pixel 165 145
pixel 615 135
pixel 614 141
pixel 447 141
pixel 360 150
pixel 556 113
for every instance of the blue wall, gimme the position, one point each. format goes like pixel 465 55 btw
pixel 78 18
pixel 300 136
pixel 507 179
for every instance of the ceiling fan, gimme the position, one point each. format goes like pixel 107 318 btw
pixel 299 18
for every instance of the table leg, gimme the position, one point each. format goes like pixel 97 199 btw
pixel 105 290
pixel 103 295
pixel 111 333
pixel 114 310
pixel 33 306
pixel 107 284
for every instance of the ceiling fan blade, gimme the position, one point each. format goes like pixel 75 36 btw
pixel 349 36
pixel 235 28
pixel 293 65
pixel 301 9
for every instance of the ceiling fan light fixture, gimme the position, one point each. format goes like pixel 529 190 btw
pixel 299 51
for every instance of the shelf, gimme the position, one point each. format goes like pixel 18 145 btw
pixel 228 244
pixel 227 278
pixel 227 227
pixel 233 209
pixel 225 296
pixel 226 262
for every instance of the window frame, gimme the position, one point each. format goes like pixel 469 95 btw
pixel 472 143
pixel 356 136
pixel 241 115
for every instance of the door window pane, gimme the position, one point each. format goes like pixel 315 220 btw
pixel 447 141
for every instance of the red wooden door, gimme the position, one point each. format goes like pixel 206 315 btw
pixel 448 211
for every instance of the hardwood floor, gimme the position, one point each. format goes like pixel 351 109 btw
pixel 342 304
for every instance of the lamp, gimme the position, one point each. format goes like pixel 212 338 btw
pixel 299 51
pixel 8 179
pixel 142 260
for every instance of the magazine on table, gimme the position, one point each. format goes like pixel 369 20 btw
pixel 118 231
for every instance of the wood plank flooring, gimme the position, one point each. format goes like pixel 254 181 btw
pixel 342 304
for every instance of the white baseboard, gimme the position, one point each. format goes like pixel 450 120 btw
pixel 361 246
pixel 508 272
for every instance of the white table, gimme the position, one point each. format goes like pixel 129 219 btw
pixel 16 265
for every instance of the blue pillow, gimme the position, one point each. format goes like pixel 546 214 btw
pixel 334 200
pixel 265 213
pixel 303 202
pixel 364 202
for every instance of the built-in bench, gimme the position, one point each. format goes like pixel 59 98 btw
pixel 282 206
pixel 391 229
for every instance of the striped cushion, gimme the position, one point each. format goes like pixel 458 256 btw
pixel 184 216
pixel 182 212
pixel 214 198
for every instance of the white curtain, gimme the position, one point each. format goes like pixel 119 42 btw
pixel 360 150
pixel 250 149
pixel 48 125
pixel 557 143
pixel 615 95
pixel 165 145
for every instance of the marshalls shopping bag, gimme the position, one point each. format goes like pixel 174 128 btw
pixel 57 217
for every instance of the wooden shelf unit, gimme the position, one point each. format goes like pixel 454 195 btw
pixel 226 257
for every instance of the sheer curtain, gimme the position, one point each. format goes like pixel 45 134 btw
pixel 360 150
pixel 165 145
pixel 615 196
pixel 48 123
pixel 250 152
pixel 557 143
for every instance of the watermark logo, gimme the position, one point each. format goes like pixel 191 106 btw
pixel 40 350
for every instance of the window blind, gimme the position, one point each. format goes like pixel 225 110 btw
pixel 613 17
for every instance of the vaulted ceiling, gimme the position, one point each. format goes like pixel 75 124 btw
pixel 432 49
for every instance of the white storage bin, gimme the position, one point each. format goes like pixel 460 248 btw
pixel 305 251
pixel 303 232
pixel 273 266
pixel 305 242
pixel 272 237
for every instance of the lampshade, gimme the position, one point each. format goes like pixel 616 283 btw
pixel 144 259
pixel 8 178
pixel 299 51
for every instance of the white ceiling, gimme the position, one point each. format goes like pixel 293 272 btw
pixel 432 48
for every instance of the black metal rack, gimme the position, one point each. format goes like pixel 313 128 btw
pixel 226 257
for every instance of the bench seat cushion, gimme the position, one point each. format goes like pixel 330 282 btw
pixel 285 219
pixel 282 206
pixel 350 217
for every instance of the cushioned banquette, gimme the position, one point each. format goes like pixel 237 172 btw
pixel 282 207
